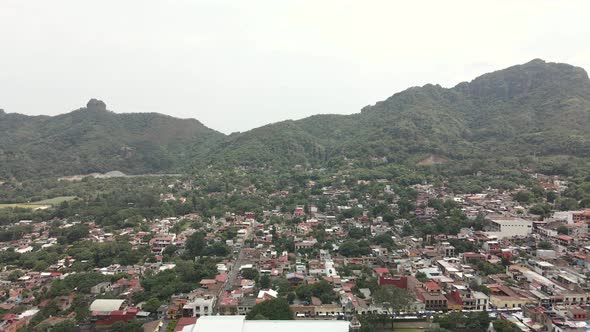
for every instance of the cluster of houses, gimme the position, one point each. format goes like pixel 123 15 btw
pixel 531 271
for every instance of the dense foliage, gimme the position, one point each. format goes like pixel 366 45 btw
pixel 277 309
pixel 181 279
pixel 465 322
pixel 93 139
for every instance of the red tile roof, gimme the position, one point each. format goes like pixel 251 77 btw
pixel 432 286
pixel 184 321
pixel 221 277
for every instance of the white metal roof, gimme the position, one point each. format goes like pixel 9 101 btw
pixel 295 326
pixel 239 324
pixel 106 305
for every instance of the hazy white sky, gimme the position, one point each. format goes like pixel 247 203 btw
pixel 236 65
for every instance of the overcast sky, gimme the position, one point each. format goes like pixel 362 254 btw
pixel 236 65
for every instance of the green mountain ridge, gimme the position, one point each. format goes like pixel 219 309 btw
pixel 537 108
pixel 92 139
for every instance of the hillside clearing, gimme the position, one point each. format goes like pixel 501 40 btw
pixel 44 204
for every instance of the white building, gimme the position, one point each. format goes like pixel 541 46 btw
pixel 482 301
pixel 330 270
pixel 240 324
pixel 565 215
pixel 509 227
pixel 200 306
pixel 106 305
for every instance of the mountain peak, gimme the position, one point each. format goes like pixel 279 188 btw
pixel 536 62
pixel 96 105
pixel 535 76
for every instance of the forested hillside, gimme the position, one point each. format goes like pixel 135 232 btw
pixel 93 139
pixel 535 109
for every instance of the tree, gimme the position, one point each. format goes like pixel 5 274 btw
pixel 351 248
pixel 478 321
pixel 65 326
pixel 435 203
pixel 304 292
pixel 407 230
pixel 264 281
pixel 585 202
pixel 502 325
pixel 421 276
pixel 172 325
pixel 324 291
pixel 275 309
pixel 373 321
pixel 81 307
pixel 195 244
pixel 394 299
pixel 551 196
pixel 130 326
pixel 216 249
pixel 356 233
pixel 151 305
pixel 568 204
pixel 487 268
pixel 545 245
pixel 291 297
pixel 178 280
pixel 282 286
pixel 462 246
pixel 14 275
pixel 170 250
pixel 524 196
pixel 451 321
pixel 479 288
pixel 505 261
pixel 562 230
pixel 472 322
pixel 77 232
pixel 384 240
pixel 388 217
pixel 250 274
pixel 543 210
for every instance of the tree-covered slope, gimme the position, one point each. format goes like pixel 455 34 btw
pixel 536 108
pixel 93 139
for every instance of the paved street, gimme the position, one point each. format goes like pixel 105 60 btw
pixel 235 269
pixel 233 274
